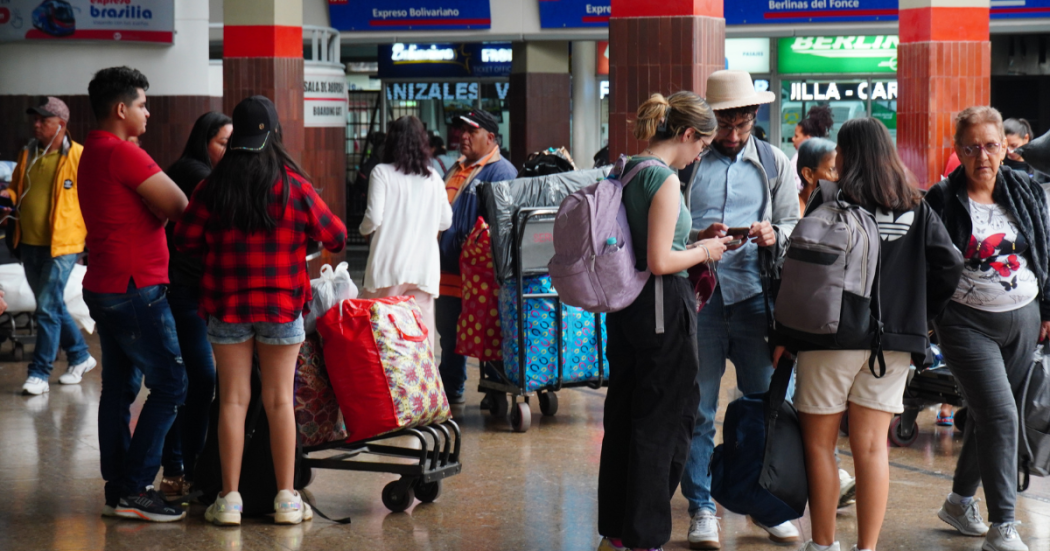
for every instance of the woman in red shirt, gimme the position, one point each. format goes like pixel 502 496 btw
pixel 251 221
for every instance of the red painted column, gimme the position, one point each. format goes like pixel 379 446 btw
pixel 943 67
pixel 659 46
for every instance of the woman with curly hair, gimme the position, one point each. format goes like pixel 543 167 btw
pixel 407 207
pixel 817 124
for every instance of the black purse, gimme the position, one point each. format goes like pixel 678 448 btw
pixel 784 461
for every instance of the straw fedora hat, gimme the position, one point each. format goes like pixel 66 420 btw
pixel 732 89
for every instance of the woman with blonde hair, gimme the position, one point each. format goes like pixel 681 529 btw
pixel 653 395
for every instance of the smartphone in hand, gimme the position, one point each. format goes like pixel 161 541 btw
pixel 739 235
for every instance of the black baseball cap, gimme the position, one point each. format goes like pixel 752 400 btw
pixel 254 122
pixel 480 119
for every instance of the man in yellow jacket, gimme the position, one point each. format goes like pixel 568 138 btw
pixel 49 233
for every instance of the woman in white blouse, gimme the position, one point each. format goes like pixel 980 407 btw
pixel 407 207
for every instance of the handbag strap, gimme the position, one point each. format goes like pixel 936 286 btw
pixel 422 336
pixel 777 394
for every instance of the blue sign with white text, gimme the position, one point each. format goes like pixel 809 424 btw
pixel 558 14
pixel 490 60
pixel 757 12
pixel 1020 9
pixel 409 15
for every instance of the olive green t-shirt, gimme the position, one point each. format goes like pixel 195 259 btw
pixel 638 197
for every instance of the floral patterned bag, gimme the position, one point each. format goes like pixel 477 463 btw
pixel 381 366
pixel 316 409
pixel 478 330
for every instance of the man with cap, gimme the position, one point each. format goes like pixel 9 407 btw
pixel 480 161
pixel 48 235
pixel 741 183
pixel 127 200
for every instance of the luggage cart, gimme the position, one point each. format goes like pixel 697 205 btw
pixel 20 329
pixel 533 249
pixel 436 459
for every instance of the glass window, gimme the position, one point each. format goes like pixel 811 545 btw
pixel 848 99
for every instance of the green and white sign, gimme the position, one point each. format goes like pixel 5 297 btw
pixel 837 54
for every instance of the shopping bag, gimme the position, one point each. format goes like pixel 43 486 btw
pixel 316 410
pixel 381 366
pixel 478 330
pixel 332 287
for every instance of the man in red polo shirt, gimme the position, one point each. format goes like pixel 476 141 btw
pixel 126 201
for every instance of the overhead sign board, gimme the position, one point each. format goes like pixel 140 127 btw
pixel 1023 9
pixel 409 15
pixel 561 14
pixel 843 91
pixel 837 54
pixel 123 20
pixel 445 60
pixel 753 12
pixel 324 97
pixel 747 54
pixel 446 91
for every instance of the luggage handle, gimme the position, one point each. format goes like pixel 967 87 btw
pixel 411 338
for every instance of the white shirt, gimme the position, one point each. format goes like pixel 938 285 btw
pixel 405 212
pixel 995 276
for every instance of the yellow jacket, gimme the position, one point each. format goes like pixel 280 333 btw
pixel 67 224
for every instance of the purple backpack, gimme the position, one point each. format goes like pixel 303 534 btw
pixel 594 265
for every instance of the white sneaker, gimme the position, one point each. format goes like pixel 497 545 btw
pixel 966 519
pixel 847 489
pixel 703 531
pixel 226 511
pixel 75 373
pixel 289 508
pixel 1004 537
pixel 810 546
pixel 35 386
pixel 784 532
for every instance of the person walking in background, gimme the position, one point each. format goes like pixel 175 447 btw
pixel 439 156
pixel 1018 134
pixel 653 393
pixel 916 249
pixel 999 311
pixel 204 149
pixel 817 124
pixel 815 161
pixel 126 200
pixel 251 220
pixel 749 185
pixel 49 233
pixel 407 207
pixel 480 162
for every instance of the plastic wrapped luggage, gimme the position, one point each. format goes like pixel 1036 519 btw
pixel 316 409
pixel 579 338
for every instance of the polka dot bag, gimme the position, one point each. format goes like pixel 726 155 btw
pixel 478 332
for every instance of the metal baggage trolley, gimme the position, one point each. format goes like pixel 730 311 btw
pixel 533 229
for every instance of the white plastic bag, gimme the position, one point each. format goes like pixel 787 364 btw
pixel 333 287
pixel 19 297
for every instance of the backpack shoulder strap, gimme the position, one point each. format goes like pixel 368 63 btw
pixel 829 191
pixel 765 156
pixel 626 178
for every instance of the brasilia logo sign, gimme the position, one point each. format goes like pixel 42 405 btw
pixel 838 54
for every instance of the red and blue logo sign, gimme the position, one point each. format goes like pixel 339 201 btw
pixel 409 15
pixel 559 14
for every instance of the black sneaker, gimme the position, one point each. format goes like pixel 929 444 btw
pixel 149 506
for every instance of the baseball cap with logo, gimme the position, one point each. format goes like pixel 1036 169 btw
pixel 254 122
pixel 50 106
pixel 480 119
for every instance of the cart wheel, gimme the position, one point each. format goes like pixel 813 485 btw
pixel 549 403
pixel 521 417
pixel 844 424
pixel 428 492
pixel 960 419
pixel 398 496
pixel 306 474
pixel 19 352
pixel 898 436
pixel 499 407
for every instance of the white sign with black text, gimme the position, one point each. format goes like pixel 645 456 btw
pixel 324 97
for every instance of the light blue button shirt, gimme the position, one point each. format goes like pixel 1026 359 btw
pixel 731 191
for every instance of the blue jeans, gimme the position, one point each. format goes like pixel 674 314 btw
pixel 137 333
pixel 453 367
pixel 186 437
pixel 47 278
pixel 737 333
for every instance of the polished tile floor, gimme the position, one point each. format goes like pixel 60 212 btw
pixel 532 491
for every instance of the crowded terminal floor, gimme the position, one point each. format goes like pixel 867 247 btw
pixel 517 491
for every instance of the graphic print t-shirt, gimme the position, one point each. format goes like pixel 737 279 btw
pixel 995 275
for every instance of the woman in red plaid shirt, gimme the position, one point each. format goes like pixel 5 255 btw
pixel 251 221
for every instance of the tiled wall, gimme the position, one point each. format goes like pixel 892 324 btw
pixel 324 160
pixel 657 54
pixel 937 80
pixel 539 113
pixel 278 78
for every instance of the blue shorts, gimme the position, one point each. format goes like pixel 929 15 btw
pixel 221 332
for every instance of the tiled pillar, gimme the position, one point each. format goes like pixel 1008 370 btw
pixel 539 96
pixel 943 67
pixel 263 54
pixel 659 46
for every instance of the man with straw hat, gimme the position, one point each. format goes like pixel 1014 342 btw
pixel 745 184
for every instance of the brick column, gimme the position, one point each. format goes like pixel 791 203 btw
pixel 539 98
pixel 263 54
pixel 659 46
pixel 944 66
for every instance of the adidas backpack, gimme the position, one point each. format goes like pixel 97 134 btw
pixel 594 264
pixel 829 277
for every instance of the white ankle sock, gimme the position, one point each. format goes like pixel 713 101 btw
pixel 959 500
pixel 820 547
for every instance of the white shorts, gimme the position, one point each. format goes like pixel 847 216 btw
pixel 826 380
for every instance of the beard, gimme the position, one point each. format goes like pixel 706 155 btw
pixel 721 147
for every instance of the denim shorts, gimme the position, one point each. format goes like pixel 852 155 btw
pixel 221 332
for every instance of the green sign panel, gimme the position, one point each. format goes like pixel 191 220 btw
pixel 837 54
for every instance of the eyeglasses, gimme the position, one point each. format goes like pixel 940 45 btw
pixel 992 148
pixel 742 128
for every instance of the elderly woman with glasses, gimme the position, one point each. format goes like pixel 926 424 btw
pixel 1000 310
